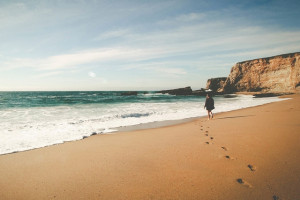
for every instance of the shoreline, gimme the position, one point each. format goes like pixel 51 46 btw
pixel 132 128
pixel 168 123
pixel 148 125
pixel 251 153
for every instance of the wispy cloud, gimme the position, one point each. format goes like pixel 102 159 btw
pixel 113 34
pixel 182 19
pixel 175 39
pixel 64 61
pixel 190 17
pixel 48 74
pixel 161 68
pixel 182 42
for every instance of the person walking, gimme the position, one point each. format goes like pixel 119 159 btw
pixel 209 105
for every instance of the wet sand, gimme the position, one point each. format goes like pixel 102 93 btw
pixel 252 153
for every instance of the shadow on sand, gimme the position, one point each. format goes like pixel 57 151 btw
pixel 235 117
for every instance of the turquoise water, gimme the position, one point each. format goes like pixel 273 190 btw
pixel 47 99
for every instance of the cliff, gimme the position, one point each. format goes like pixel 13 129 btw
pixel 277 74
pixel 215 84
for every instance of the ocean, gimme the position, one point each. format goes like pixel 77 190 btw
pixel 30 120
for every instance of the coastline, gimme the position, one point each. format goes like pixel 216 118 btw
pixel 171 162
pixel 43 128
pixel 167 123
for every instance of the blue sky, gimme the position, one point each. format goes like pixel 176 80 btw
pixel 137 45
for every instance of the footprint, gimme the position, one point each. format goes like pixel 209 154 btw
pixel 211 138
pixel 206 134
pixel 206 131
pixel 206 142
pixel 242 182
pixel 224 148
pixel 228 157
pixel 252 168
pixel 275 197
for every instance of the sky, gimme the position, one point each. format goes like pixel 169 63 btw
pixel 49 45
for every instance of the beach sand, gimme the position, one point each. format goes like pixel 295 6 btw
pixel 252 153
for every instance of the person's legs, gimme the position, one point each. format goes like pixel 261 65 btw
pixel 208 113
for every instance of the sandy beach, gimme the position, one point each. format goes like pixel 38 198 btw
pixel 252 153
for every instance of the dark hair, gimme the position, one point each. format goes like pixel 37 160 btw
pixel 209 94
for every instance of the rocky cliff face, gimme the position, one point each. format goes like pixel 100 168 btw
pixel 215 84
pixel 273 74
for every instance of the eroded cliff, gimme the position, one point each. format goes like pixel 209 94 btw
pixel 216 84
pixel 275 74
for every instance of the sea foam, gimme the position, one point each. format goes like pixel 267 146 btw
pixel 24 128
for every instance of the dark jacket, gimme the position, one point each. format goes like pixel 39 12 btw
pixel 209 103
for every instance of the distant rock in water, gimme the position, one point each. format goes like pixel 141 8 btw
pixel 277 74
pixel 178 91
pixel 201 92
pixel 132 93
pixel 229 96
pixel 216 84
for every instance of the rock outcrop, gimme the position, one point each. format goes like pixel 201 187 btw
pixel 277 74
pixel 178 91
pixel 130 93
pixel 201 92
pixel 216 84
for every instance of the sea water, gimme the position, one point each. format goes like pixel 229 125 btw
pixel 31 120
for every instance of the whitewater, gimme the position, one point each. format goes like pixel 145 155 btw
pixel 30 120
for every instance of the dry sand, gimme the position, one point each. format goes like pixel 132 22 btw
pixel 252 153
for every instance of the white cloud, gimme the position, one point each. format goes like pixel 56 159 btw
pixel 182 19
pixel 64 60
pixel 169 71
pixel 76 59
pixel 47 74
pixel 162 68
pixel 113 34
pixel 92 74
pixel 202 45
pixel 179 42
pixel 190 17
